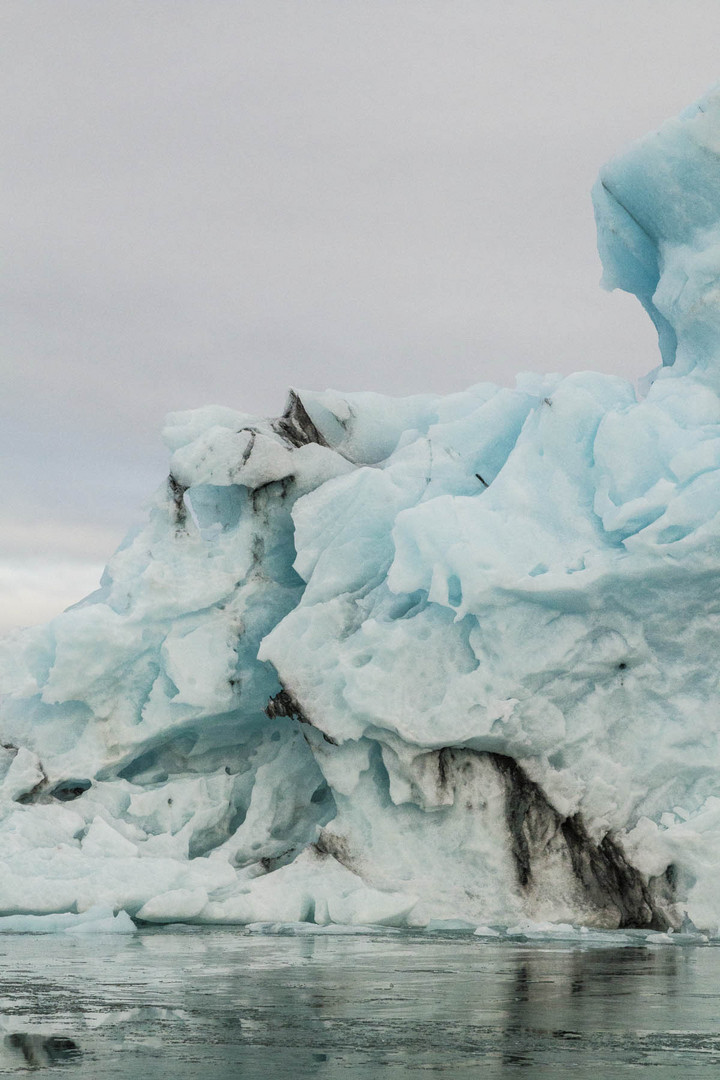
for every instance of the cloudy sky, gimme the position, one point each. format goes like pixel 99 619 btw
pixel 212 200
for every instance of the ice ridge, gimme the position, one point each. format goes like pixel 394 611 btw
pixel 409 662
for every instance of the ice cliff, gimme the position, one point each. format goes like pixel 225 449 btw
pixel 387 661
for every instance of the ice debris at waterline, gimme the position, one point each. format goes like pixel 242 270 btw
pixel 391 661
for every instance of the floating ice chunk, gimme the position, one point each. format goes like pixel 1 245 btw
pixel 530 930
pixel 103 921
pixel 304 929
pixel 96 920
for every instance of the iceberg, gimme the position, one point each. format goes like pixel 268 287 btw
pixel 429 662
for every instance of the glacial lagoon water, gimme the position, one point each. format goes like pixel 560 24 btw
pixel 196 1003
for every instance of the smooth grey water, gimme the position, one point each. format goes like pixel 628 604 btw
pixel 217 1004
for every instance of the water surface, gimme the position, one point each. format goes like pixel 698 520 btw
pixel 198 1003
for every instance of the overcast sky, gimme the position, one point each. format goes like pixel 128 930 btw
pixel 212 200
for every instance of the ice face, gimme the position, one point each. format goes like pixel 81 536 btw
pixel 409 662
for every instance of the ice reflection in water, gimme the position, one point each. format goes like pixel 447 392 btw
pixel 216 1004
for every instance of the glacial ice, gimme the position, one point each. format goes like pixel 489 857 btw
pixel 439 661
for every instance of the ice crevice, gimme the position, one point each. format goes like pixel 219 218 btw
pixel 422 661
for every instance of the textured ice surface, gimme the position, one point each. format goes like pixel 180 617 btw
pixel 440 660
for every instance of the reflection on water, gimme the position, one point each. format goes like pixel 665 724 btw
pixel 41 1050
pixel 223 1003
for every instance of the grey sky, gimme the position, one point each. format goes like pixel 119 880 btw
pixel 211 201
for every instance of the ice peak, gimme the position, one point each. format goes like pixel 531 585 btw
pixel 657 208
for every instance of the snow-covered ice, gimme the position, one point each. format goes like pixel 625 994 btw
pixel 432 661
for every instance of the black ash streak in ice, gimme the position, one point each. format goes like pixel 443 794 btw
pixel 284 704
